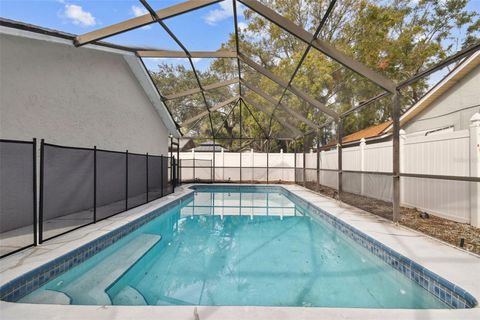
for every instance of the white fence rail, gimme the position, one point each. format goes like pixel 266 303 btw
pixel 449 154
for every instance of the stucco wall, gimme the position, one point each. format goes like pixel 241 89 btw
pixel 455 107
pixel 75 96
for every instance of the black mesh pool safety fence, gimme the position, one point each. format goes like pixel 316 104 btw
pixel 67 197
pixel 137 180
pixel 80 186
pixel 17 195
pixel 111 174
pixel 154 177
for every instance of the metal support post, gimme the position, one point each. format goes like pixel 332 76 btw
pixel 268 151
pixel 339 153
pixel 212 177
pixel 318 162
pixel 396 155
pixel 304 162
pixel 295 161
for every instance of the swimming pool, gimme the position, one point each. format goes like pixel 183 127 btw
pixel 244 246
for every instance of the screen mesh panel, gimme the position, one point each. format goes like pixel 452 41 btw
pixel 154 177
pixel 137 180
pixel 111 183
pixel 78 186
pixel 16 196
pixel 68 189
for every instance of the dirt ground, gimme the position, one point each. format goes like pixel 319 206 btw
pixel 443 229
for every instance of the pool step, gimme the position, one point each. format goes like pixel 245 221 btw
pixel 129 296
pixel 46 297
pixel 166 301
pixel 90 287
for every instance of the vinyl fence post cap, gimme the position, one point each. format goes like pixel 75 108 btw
pixel 475 120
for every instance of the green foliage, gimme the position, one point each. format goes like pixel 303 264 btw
pixel 397 38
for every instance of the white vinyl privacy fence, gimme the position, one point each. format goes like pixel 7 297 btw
pixel 237 167
pixel 366 171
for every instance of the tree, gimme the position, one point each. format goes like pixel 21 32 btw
pixel 396 38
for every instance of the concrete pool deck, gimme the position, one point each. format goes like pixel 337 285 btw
pixel 458 266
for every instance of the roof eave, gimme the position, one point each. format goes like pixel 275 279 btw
pixel 450 78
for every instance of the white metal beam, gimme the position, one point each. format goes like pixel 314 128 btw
pixel 141 21
pixel 182 54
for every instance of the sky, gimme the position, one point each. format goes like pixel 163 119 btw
pixel 204 29
pixel 201 30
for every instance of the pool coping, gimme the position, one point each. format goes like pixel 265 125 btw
pixel 430 253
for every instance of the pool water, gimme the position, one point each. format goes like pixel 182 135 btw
pixel 236 249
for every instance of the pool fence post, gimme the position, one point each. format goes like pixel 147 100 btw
pixel 34 168
pixel 146 176
pixel 161 175
pixel 40 204
pixel 126 180
pixel 178 162
pixel 172 172
pixel 172 163
pixel 94 184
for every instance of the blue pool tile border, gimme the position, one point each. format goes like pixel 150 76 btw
pixel 449 293
pixel 34 279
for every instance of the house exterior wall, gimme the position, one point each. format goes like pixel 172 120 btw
pixel 454 108
pixel 75 96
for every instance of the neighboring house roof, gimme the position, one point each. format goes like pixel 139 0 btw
pixel 367 133
pixel 434 93
pixel 26 30
pixel 185 145
pixel 370 132
pixel 209 146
